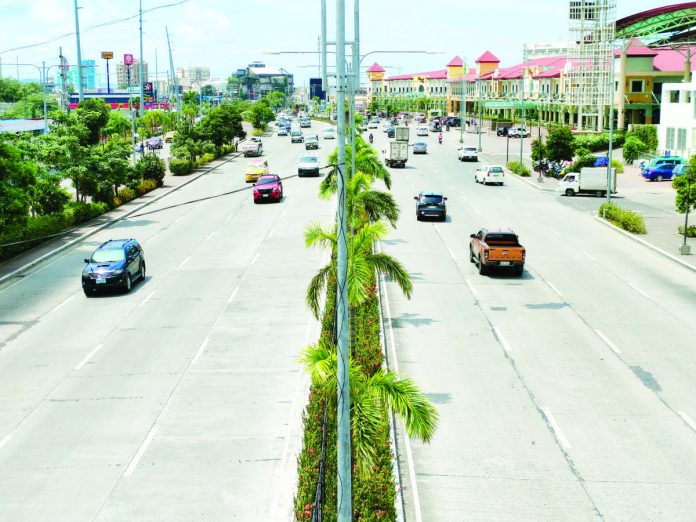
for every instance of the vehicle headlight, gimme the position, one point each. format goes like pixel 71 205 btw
pixel 117 272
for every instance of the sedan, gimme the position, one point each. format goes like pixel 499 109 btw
pixel 659 172
pixel 155 143
pixel 282 131
pixel 422 131
pixel 268 188
pixel 372 125
pixel 467 153
pixel 420 147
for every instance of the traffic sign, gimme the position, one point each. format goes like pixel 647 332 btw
pixel 128 59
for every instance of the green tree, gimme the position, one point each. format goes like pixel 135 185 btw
pixel 366 161
pixel 17 177
pixel 686 189
pixel 48 197
pixel 117 124
pixel 647 134
pixel 538 150
pixel 371 398
pixel 559 143
pixel 151 166
pixel 632 149
pixel 363 263
pixel 276 99
pixel 208 90
pixel 94 115
pixel 191 98
pixel 259 114
pixel 10 90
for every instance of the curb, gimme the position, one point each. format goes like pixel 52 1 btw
pixel 646 244
pixel 528 182
pixel 107 224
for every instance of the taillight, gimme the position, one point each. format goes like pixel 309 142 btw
pixel 485 254
pixel 524 254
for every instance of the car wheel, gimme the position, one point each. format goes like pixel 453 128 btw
pixel 481 267
pixel 519 271
pixel 569 192
pixel 142 272
pixel 129 284
pixel 471 256
pixel 418 218
pixel 599 193
pixel 88 293
pixel 659 177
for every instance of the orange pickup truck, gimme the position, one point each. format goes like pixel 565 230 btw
pixel 496 247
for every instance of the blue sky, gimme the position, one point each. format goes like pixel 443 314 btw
pixel 226 35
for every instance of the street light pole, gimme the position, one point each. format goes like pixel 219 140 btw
pixel 610 153
pixel 79 55
pixel 480 118
pixel 461 105
pixel 141 107
pixel 689 172
pixel 522 126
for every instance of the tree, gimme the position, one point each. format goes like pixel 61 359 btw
pixel 94 115
pixel 10 90
pixel 118 124
pixel 191 98
pixel 17 177
pixel 647 134
pixel 48 197
pixel 208 90
pixel 276 99
pixel 559 143
pixel 259 114
pixel 686 189
pixel 151 166
pixel 538 150
pixel 366 161
pixel 371 398
pixel 221 126
pixel 363 263
pixel 632 149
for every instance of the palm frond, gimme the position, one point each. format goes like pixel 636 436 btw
pixel 320 361
pixel 386 264
pixel 366 422
pixel 316 287
pixel 317 234
pixel 377 205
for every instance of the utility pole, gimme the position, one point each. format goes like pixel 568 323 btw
pixel 461 105
pixel 155 83
pixel 141 107
pixel 523 128
pixel 43 94
pixel 344 465
pixel 175 87
pixel 79 55
pixel 356 80
pixel 64 80
pixel 610 153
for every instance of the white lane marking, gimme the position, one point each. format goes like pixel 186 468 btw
pixel 255 258
pixel 211 235
pixel 233 294
pixel 58 307
pixel 199 351
pixel 471 288
pixel 153 237
pixel 476 211
pixel 608 342
pixel 5 439
pixel 141 451
pixel 588 255
pixel 689 421
pixel 554 231
pixel 528 212
pixel 452 254
pixel 178 219
pixel 553 287
pixel 508 198
pixel 230 217
pixel 186 260
pixel 501 338
pixel 270 234
pixel 144 301
pixel 638 290
pixel 407 440
pixel 557 429
pixel 89 356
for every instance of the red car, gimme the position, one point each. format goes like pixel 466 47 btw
pixel 268 188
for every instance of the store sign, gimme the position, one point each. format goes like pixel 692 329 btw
pixel 107 55
pixel 128 59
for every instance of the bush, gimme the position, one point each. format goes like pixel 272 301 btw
pixel 633 148
pixel 598 142
pixel 690 232
pixel 627 219
pixel 180 167
pixel 124 196
pixel 517 168
pixel 618 166
pixel 145 186
pixel 207 158
pixel 646 134
pixel 151 166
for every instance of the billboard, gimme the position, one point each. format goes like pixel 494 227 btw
pixel 148 89
pixel 315 89
pixel 107 55
pixel 128 59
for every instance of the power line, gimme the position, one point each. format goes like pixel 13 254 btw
pixel 92 27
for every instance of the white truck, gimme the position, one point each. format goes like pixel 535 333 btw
pixel 402 134
pixel 590 180
pixel 396 154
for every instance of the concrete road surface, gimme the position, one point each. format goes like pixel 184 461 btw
pixel 566 394
pixel 181 400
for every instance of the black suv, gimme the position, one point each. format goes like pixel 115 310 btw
pixel 431 205
pixel 114 264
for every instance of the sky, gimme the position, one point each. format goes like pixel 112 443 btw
pixel 226 35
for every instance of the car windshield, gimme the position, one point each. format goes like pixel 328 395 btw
pixel 431 199
pixel 308 159
pixel 108 256
pixel 266 180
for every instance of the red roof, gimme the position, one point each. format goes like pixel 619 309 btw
pixel 375 67
pixel 440 74
pixel 636 48
pixel 456 62
pixel 548 73
pixel 668 60
pixel 487 57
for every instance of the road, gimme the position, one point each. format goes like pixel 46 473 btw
pixel 181 400
pixel 567 394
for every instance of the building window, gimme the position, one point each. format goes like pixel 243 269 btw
pixel 637 85
pixel 670 138
pixel 681 139
pixel 687 97
pixel 673 96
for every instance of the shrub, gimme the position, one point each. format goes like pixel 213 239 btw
pixel 258 132
pixel 627 219
pixel 207 158
pixel 647 134
pixel 618 166
pixel 124 195
pixel 598 142
pixel 633 147
pixel 690 232
pixel 145 186
pixel 180 167
pixel 517 168
pixel 151 166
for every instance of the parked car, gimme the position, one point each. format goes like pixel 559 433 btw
pixel 311 141
pixel 117 263
pixel 329 133
pixel 155 142
pixel 420 147
pixel 660 168
pixel 467 154
pixel 431 205
pixel 680 170
pixel 501 130
pixel 268 188
pixel 307 165
pixel 497 248
pixel 489 174
pixel 422 130
pixel 255 169
pixel 253 147
pixel 518 132
pixel 454 121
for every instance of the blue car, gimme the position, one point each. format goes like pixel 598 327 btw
pixel 659 172
pixel 115 264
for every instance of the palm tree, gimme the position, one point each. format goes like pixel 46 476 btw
pixel 371 397
pixel 363 263
pixel 366 161
pixel 363 203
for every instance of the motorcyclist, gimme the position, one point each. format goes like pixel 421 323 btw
pixel 439 137
pixel 371 137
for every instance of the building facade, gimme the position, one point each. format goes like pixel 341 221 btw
pixel 89 75
pixel 256 80
pixel 677 131
pixel 188 76
pixel 122 74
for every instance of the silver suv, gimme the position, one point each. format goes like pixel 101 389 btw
pixel 518 132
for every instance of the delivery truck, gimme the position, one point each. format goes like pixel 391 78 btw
pixel 396 154
pixel 590 180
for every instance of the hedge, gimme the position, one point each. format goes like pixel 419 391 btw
pixel 374 493
pixel 627 219
pixel 180 167
pixel 598 142
pixel 690 232
pixel 517 168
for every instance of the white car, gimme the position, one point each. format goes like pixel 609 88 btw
pixel 488 174
pixel 307 165
pixel 329 133
pixel 372 125
pixel 518 132
pixel 467 154
pixel 422 131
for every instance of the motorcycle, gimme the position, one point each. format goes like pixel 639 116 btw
pixel 371 138
pixel 439 138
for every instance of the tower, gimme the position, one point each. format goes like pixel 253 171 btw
pixel 590 82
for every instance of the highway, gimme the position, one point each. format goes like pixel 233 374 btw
pixel 181 400
pixel 567 394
